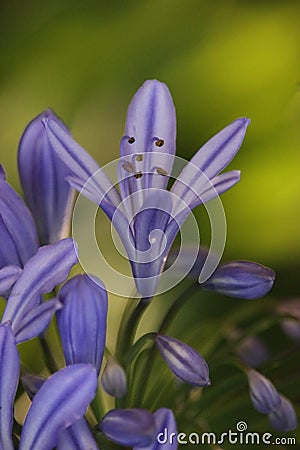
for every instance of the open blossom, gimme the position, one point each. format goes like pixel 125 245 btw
pixel 145 214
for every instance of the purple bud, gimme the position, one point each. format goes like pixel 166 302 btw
pixel 284 417
pixel 129 427
pixel 113 379
pixel 82 320
pixel 252 351
pixel 291 322
pixel 42 176
pixel 184 361
pixel 241 279
pixel 264 396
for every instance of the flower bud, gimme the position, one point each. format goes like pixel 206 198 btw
pixel 264 396
pixel 284 417
pixel 241 279
pixel 129 427
pixel 113 379
pixel 184 361
pixel 42 176
pixel 290 323
pixel 82 320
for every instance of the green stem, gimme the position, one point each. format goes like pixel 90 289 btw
pixel 129 323
pixel 97 406
pixel 48 356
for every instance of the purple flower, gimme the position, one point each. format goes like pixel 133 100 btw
pixel 184 361
pixel 253 351
pixel 146 216
pixel 284 418
pixel 129 427
pixel 241 279
pixel 60 402
pixel 82 320
pixel 113 379
pixel 49 267
pixel 264 396
pixel 8 277
pixel 76 437
pixel 18 235
pixel 42 176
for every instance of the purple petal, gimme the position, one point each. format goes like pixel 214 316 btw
pixel 82 320
pixel 36 321
pixel 284 417
pixel 113 379
pixel 253 351
pixel 77 437
pixel 18 235
pixel 129 427
pixel 32 384
pixel 211 159
pixel 49 267
pixel 264 396
pixel 61 401
pixel 184 361
pixel 9 377
pixel 80 164
pixel 42 176
pixel 150 129
pixel 241 279
pixel 8 277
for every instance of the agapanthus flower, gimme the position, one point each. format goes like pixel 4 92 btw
pixel 264 395
pixel 82 320
pixel 241 279
pixel 165 427
pixel 146 216
pixel 289 310
pixel 113 379
pixel 184 361
pixel 134 427
pixel 42 177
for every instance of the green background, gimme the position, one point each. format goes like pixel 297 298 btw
pixel 220 59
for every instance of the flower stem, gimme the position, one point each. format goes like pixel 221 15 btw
pixel 48 356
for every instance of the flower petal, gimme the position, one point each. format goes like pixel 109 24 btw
pixel 82 320
pixel 8 276
pixel 129 427
pixel 61 401
pixel 80 163
pixel 42 176
pixel 49 267
pixel 211 159
pixel 9 377
pixel 77 437
pixel 264 395
pixel 241 279
pixel 184 361
pixel 150 129
pixel 18 235
pixel 36 321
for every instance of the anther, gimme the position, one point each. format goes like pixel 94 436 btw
pixel 128 167
pixel 161 171
pixel 159 142
pixel 139 158
pixel 138 175
pixel 131 140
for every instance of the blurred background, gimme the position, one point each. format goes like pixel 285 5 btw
pixel 221 60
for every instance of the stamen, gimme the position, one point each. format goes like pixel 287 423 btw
pixel 128 167
pixel 161 171
pixel 159 142
pixel 131 140
pixel 138 175
pixel 139 158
